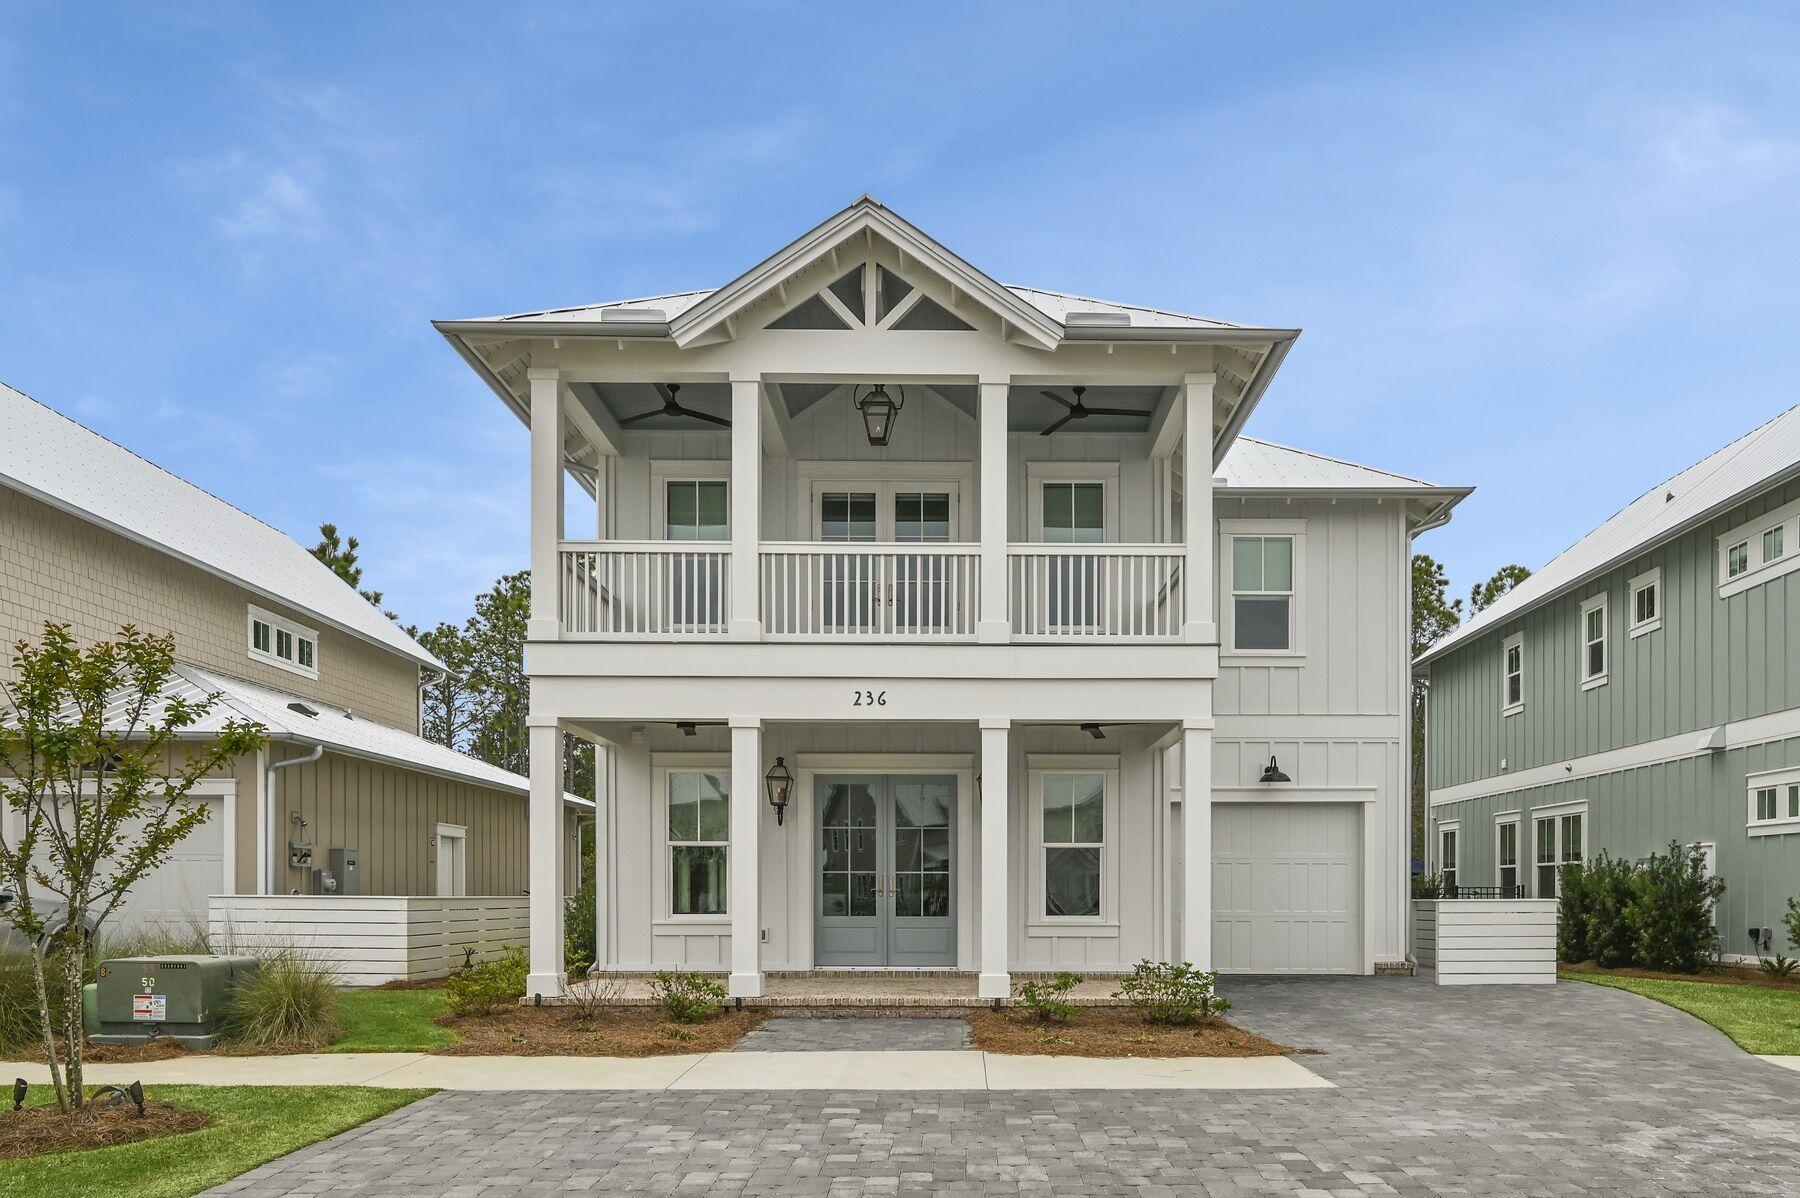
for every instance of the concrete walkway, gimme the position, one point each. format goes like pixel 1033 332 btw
pixel 1785 1062
pixel 778 1070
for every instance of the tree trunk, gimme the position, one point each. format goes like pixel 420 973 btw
pixel 47 1027
pixel 74 1022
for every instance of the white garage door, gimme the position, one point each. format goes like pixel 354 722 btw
pixel 175 895
pixel 1287 887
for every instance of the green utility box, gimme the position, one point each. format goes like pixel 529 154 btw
pixel 148 998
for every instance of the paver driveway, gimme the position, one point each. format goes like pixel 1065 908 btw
pixel 1571 1089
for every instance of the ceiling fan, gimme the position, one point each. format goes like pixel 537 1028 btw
pixel 1078 410
pixel 672 407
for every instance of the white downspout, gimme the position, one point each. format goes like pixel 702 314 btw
pixel 272 811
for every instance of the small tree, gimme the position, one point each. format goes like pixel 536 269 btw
pixel 1671 911
pixel 100 789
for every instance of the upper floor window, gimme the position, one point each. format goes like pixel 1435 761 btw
pixel 1646 602
pixel 1512 674
pixel 281 642
pixel 1773 543
pixel 1262 594
pixel 696 510
pixel 1757 550
pixel 1737 559
pixel 1774 803
pixel 1593 642
pixel 1075 512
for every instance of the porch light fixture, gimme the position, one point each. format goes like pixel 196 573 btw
pixel 1272 773
pixel 780 783
pixel 879 411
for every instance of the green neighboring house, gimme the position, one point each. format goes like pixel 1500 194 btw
pixel 1643 687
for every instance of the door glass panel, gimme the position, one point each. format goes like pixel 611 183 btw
pixel 847 835
pixel 921 849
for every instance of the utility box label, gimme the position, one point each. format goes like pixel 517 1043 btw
pixel 150 1008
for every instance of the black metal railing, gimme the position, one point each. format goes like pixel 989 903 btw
pixel 1484 892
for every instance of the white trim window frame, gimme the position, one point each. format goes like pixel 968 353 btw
pixel 1645 613
pixel 1058 784
pixel 1595 648
pixel 1039 475
pixel 282 643
pixel 1758 550
pixel 1558 838
pixel 1773 803
pixel 1504 823
pixel 1230 592
pixel 1512 674
pixel 701 841
pixel 1449 853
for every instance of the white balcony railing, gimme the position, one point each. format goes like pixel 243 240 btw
pixel 1064 592
pixel 645 590
pixel 816 591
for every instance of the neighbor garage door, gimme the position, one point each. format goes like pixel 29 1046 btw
pixel 1287 887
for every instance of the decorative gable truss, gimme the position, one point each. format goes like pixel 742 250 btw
pixel 871 296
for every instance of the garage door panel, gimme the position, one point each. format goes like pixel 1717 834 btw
pixel 1287 887
pixel 175 895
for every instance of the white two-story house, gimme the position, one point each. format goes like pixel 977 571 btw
pixel 924 622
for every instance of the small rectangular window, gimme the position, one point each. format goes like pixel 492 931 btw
pixel 306 652
pixel 1507 854
pixel 1074 840
pixel 1646 602
pixel 1765 802
pixel 281 642
pixel 1447 858
pixel 1737 559
pixel 1512 678
pixel 1772 546
pixel 1262 594
pixel 1593 641
pixel 260 635
pixel 1794 802
pixel 284 644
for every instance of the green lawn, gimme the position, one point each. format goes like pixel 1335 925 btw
pixel 254 1124
pixel 391 1021
pixel 1760 1019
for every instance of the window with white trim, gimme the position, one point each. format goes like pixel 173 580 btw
pixel 1448 857
pixel 1512 674
pixel 1759 549
pixel 1593 642
pixel 1737 559
pixel 1774 800
pixel 1773 543
pixel 699 835
pixel 1074 843
pixel 1506 852
pixel 1262 594
pixel 1646 602
pixel 283 643
pixel 1557 836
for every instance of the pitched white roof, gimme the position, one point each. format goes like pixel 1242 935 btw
pixel 1263 465
pixel 1705 489
pixel 53 459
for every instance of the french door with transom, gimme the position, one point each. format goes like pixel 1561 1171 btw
pixel 883 887
pixel 901 588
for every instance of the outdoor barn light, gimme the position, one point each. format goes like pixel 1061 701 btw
pixel 1272 773
pixel 780 783
pixel 878 412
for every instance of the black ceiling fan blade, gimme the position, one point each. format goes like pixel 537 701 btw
pixel 707 416
pixel 666 393
pixel 1114 412
pixel 1059 399
pixel 640 416
pixel 1057 425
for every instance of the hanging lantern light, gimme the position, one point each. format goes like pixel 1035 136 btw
pixel 780 784
pixel 879 411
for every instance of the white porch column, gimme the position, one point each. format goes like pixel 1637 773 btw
pixel 744 862
pixel 546 858
pixel 1196 844
pixel 995 980
pixel 1202 623
pixel 545 623
pixel 746 507
pixel 602 848
pixel 994 623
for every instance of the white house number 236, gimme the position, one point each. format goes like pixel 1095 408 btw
pixel 868 699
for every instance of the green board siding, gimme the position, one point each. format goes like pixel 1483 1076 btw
pixel 1636 812
pixel 1713 661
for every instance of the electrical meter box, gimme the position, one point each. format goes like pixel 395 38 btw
pixel 138 999
pixel 345 866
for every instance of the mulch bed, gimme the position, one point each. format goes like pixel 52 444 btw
pixel 1734 975
pixel 1113 1032
pixel 39 1130
pixel 612 1032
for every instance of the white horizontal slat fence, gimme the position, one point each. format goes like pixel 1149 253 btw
pixel 371 939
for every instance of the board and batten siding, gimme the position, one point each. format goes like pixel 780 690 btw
pixel 1634 813
pixel 1713 661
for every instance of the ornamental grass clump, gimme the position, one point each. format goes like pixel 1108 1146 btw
pixel 291 1001
pixel 687 997
pixel 1167 993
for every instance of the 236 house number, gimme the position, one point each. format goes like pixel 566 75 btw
pixel 869 699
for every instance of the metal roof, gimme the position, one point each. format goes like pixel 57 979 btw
pixel 46 455
pixel 1251 464
pixel 1709 487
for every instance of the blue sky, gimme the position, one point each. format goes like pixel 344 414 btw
pixel 1547 250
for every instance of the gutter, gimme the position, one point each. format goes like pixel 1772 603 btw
pixel 269 797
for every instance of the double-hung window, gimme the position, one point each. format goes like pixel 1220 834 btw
pixel 699 834
pixel 1775 803
pixel 1593 642
pixel 1074 514
pixel 1262 594
pixel 1646 602
pixel 1074 843
pixel 1506 854
pixel 1512 674
pixel 696 510
pixel 1448 863
pixel 281 642
pixel 1558 837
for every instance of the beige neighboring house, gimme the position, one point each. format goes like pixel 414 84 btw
pixel 94 536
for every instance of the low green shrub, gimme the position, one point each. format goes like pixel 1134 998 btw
pixel 1671 911
pixel 1780 966
pixel 290 1002
pixel 1428 886
pixel 481 988
pixel 1792 920
pixel 1164 992
pixel 1047 999
pixel 1572 914
pixel 579 931
pixel 688 997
